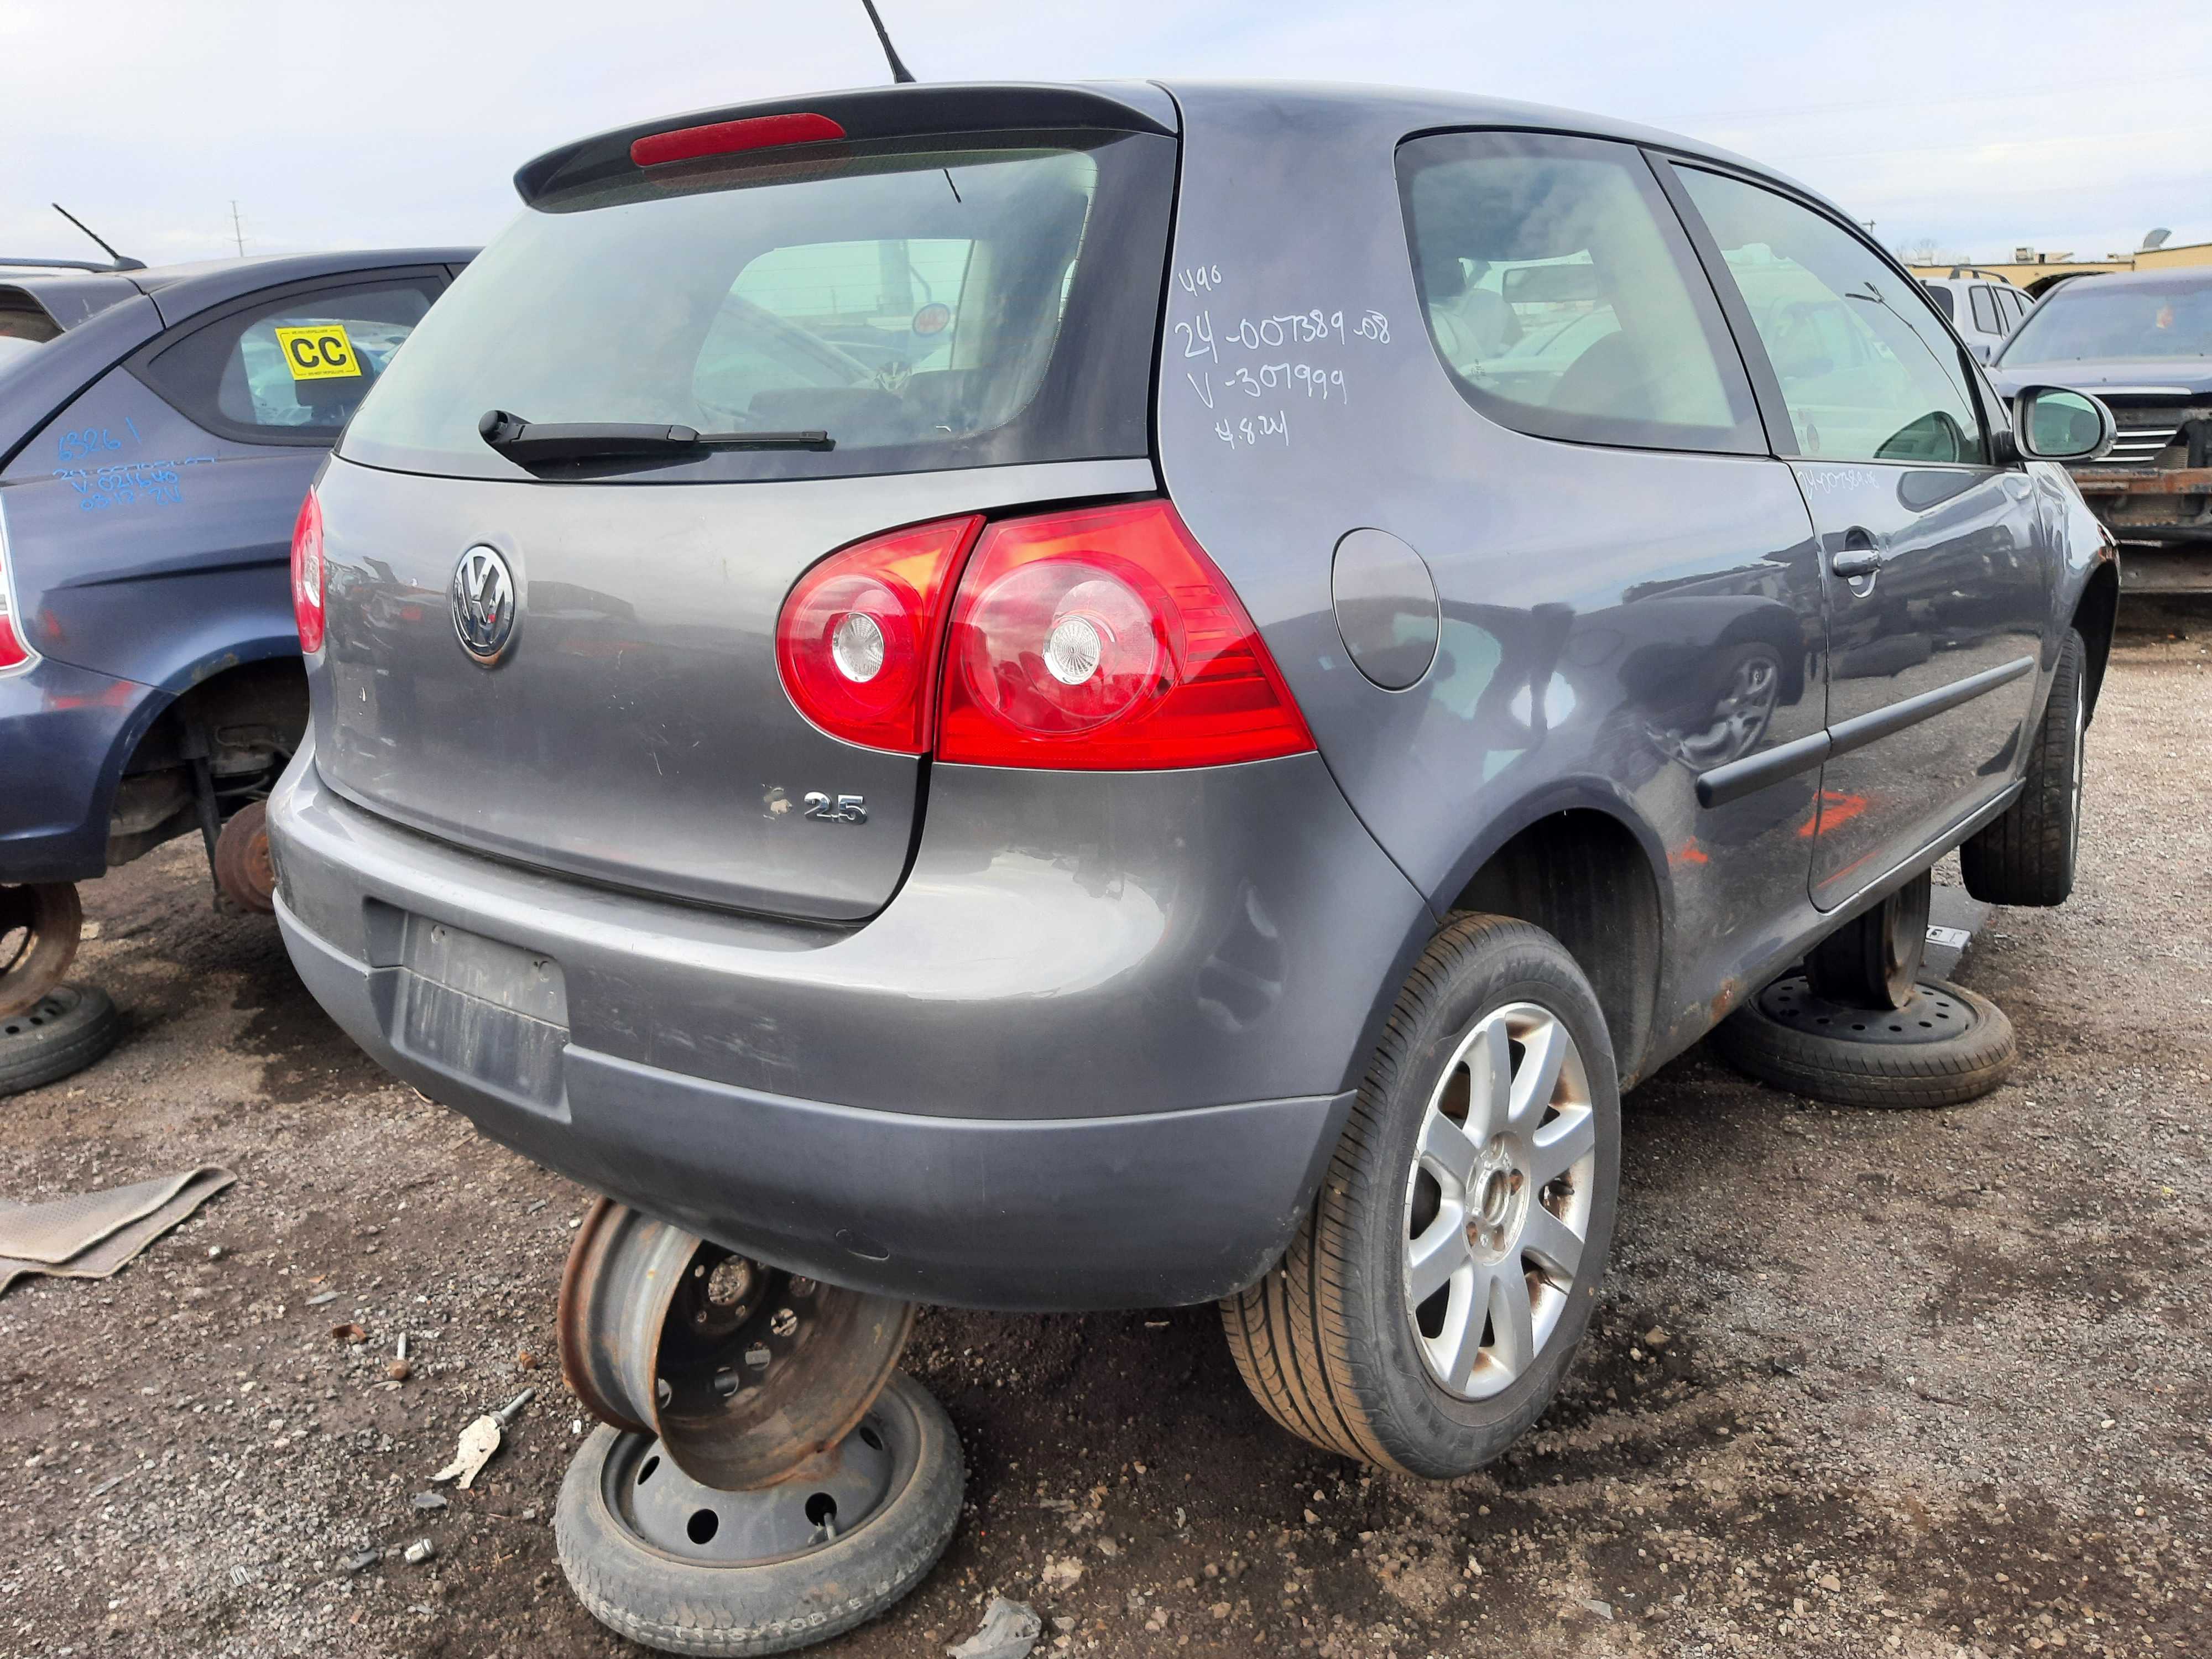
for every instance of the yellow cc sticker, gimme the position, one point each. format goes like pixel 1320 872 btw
pixel 321 352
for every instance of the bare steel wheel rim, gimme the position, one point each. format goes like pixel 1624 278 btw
pixel 1497 1201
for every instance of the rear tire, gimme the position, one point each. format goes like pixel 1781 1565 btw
pixel 64 1032
pixel 2030 854
pixel 1503 1213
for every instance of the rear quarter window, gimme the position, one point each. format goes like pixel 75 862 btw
pixel 1562 296
pixel 290 368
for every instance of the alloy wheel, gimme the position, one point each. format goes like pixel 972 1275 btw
pixel 1497 1202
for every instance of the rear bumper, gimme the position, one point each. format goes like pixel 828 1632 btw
pixel 65 733
pixel 1095 1054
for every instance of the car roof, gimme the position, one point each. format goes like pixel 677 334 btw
pixel 183 290
pixel 933 107
pixel 2179 278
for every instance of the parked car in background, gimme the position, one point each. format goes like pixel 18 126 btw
pixel 158 430
pixel 2141 342
pixel 1982 307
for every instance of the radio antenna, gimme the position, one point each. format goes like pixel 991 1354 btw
pixel 122 262
pixel 901 75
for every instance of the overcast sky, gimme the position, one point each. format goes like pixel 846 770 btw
pixel 2070 126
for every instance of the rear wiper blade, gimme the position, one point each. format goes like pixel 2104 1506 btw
pixel 528 441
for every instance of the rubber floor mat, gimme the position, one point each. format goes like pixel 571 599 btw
pixel 90 1235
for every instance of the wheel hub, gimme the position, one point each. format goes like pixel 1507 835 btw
pixel 1929 1014
pixel 1500 1204
pixel 743 1371
pixel 826 1495
pixel 39 926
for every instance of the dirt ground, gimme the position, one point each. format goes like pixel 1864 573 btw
pixel 1862 1383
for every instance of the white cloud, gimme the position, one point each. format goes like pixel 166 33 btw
pixel 1980 123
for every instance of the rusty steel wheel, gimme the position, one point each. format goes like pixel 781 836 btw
pixel 744 1372
pixel 688 1568
pixel 243 868
pixel 38 929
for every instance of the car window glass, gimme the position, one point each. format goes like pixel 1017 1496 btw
pixel 1944 300
pixel 294 367
pixel 1867 372
pixel 1985 310
pixel 814 314
pixel 928 304
pixel 2014 306
pixel 2094 317
pixel 1559 292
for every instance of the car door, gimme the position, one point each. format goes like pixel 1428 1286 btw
pixel 153 516
pixel 1990 319
pixel 1934 576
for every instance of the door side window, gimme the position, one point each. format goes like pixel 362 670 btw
pixel 1985 311
pixel 1867 371
pixel 1563 297
pixel 290 369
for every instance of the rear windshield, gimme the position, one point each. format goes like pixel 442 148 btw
pixel 2087 319
pixel 928 308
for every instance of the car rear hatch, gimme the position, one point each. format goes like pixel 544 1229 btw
pixel 950 308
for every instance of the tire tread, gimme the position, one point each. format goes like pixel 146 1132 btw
pixel 1844 1073
pixel 1303 1337
pixel 2023 856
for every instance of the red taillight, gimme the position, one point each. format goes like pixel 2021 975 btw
pixel 1104 639
pixel 727 137
pixel 857 641
pixel 15 649
pixel 307 574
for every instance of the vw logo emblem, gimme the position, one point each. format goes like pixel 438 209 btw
pixel 484 605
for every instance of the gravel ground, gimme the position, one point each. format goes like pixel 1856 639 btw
pixel 1862 1383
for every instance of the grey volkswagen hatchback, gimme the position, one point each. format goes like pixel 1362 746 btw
pixel 1072 697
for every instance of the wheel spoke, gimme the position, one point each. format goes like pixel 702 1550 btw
pixel 1561 1144
pixel 1445 1146
pixel 1458 1346
pixel 1543 1052
pixel 1437 1255
pixel 1489 1063
pixel 1552 1243
pixel 1513 1322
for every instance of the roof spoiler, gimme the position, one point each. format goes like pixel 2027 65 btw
pixel 895 111
pixel 101 267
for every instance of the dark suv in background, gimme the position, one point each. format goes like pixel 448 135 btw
pixel 2141 342
pixel 1334 632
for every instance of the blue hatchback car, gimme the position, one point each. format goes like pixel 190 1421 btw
pixel 158 430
